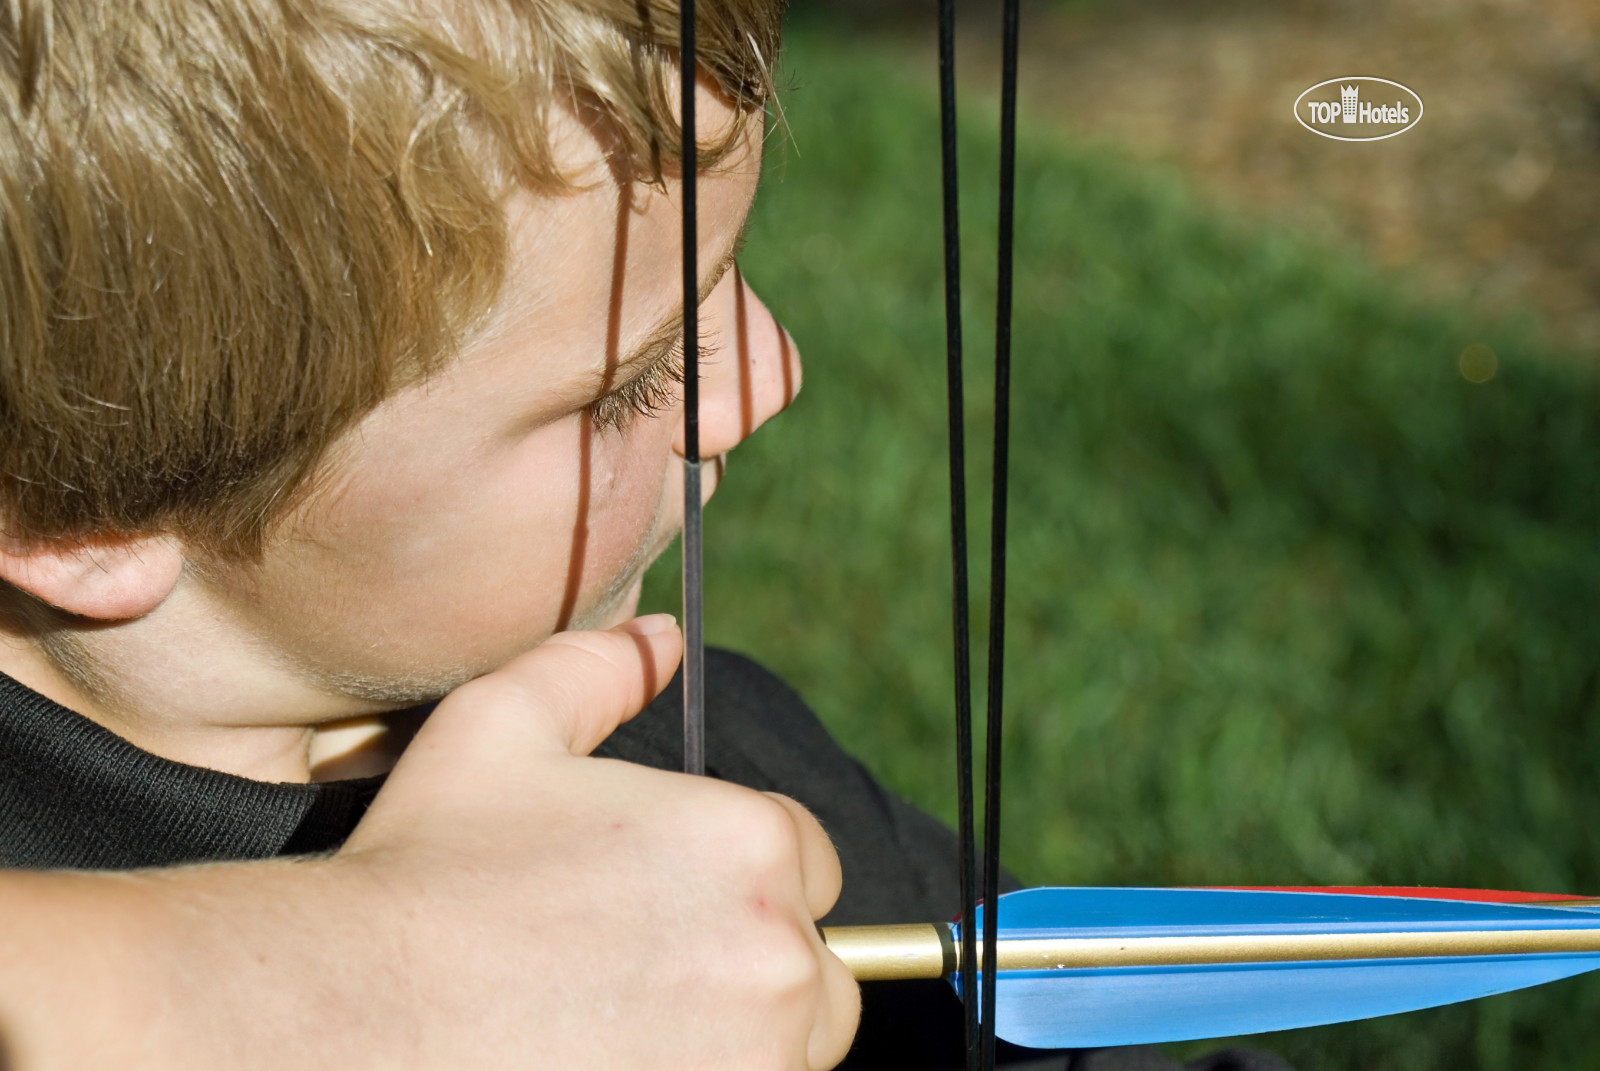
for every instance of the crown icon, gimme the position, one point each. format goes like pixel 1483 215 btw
pixel 1347 97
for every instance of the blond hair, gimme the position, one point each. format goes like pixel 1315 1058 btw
pixel 228 228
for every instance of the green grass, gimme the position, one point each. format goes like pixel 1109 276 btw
pixel 1291 600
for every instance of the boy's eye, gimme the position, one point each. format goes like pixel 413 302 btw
pixel 649 392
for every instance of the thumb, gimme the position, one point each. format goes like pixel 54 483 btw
pixel 566 695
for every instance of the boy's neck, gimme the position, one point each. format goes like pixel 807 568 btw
pixel 188 684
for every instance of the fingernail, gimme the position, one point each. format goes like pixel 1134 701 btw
pixel 649 625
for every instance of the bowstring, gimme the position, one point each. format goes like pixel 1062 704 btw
pixel 694 692
pixel 997 541
pixel 978 1030
pixel 955 402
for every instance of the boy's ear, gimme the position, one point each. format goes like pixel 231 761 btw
pixel 110 578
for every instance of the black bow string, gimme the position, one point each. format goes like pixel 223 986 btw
pixel 979 1029
pixel 955 402
pixel 997 521
pixel 694 651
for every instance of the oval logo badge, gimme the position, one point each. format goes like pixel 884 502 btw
pixel 1358 108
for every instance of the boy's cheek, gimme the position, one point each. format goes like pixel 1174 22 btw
pixel 422 579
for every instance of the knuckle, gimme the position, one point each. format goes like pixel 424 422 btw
pixel 763 834
pixel 788 969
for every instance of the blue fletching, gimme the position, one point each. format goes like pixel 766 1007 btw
pixel 1104 1006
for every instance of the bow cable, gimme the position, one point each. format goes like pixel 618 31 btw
pixel 955 401
pixel 997 541
pixel 694 652
pixel 980 1041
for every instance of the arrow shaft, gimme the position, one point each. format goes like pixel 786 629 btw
pixel 876 953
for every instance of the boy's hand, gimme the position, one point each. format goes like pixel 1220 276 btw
pixel 507 902
pixel 562 911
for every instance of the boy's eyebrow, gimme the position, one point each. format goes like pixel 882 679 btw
pixel 660 342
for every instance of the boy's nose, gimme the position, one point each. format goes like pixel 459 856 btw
pixel 753 373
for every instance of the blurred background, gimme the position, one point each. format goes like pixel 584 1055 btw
pixel 1305 547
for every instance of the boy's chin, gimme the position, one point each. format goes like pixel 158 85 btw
pixel 615 608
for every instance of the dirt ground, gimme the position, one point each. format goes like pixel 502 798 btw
pixel 1496 191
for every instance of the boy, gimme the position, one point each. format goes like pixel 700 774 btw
pixel 320 400
pixel 338 372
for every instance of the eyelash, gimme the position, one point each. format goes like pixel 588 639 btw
pixel 646 394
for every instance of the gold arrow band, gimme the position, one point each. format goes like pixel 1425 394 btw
pixel 892 953
pixel 879 953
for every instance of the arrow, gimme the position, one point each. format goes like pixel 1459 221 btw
pixel 1081 968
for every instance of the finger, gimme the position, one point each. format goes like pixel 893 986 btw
pixel 568 694
pixel 838 1012
pixel 820 876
